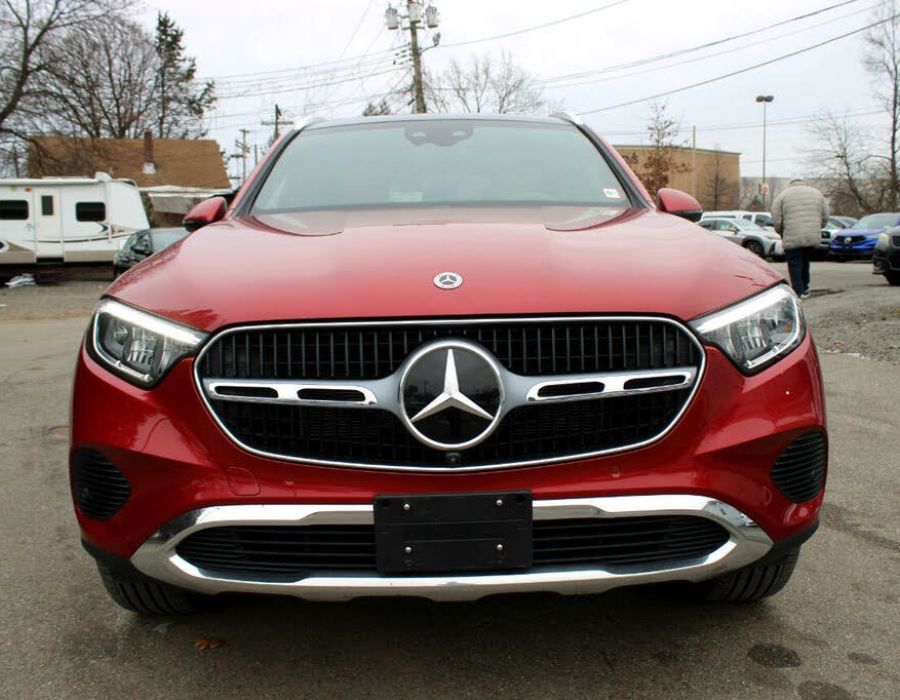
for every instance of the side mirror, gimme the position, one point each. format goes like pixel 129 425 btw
pixel 209 211
pixel 678 203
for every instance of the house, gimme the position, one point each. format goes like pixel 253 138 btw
pixel 177 172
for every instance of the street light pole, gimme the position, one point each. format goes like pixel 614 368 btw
pixel 765 99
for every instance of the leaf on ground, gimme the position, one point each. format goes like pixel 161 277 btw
pixel 204 644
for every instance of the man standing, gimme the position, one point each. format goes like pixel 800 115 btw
pixel 799 213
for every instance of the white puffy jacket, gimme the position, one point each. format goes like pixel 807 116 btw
pixel 799 213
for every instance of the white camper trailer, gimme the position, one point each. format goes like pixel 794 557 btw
pixel 67 219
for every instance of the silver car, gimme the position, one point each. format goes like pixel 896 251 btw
pixel 763 242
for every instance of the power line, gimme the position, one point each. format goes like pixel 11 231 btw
pixel 707 45
pixel 545 83
pixel 278 71
pixel 740 71
pixel 540 26
pixel 307 86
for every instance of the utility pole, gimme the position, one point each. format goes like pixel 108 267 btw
pixel 277 123
pixel 694 162
pixel 243 151
pixel 416 17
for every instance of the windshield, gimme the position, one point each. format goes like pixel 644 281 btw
pixel 877 221
pixel 764 220
pixel 437 163
pixel 747 225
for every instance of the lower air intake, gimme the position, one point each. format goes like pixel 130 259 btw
pixel 799 473
pixel 100 489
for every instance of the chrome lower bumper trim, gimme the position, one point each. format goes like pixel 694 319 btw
pixel 158 558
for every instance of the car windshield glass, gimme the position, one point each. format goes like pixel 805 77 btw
pixel 441 162
pixel 764 220
pixel 163 239
pixel 747 225
pixel 877 221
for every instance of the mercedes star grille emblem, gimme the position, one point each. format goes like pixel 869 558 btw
pixel 447 280
pixel 451 395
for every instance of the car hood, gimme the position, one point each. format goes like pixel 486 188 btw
pixel 859 232
pixel 382 264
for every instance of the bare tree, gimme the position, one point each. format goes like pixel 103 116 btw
pixel 28 29
pixel 858 168
pixel 882 60
pixel 843 162
pixel 377 109
pixel 659 161
pixel 101 83
pixel 721 191
pixel 484 85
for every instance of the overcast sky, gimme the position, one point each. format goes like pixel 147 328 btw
pixel 283 45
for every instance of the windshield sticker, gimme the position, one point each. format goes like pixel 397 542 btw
pixel 611 193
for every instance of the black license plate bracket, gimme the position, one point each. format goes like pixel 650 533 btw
pixel 453 532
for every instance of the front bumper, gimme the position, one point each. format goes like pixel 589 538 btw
pixel 861 250
pixel 185 474
pixel 159 559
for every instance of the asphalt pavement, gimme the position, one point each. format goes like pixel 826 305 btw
pixel 834 632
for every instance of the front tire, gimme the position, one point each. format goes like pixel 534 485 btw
pixel 751 583
pixel 147 597
pixel 893 278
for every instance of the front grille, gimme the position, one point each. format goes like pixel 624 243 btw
pixel 99 488
pixel 377 437
pixel 294 550
pixel 371 351
pixel 895 240
pixel 522 346
pixel 799 472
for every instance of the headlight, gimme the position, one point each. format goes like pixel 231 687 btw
pixel 755 332
pixel 138 346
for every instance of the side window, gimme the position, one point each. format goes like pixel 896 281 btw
pixel 748 217
pixel 90 211
pixel 13 209
pixel 719 225
pixel 47 205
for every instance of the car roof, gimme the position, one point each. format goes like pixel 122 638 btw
pixel 560 118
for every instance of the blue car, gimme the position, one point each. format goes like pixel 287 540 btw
pixel 858 241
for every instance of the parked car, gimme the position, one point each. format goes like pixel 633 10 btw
pixel 834 223
pixel 886 256
pixel 446 357
pixel 140 245
pixel 754 238
pixel 858 241
pixel 760 218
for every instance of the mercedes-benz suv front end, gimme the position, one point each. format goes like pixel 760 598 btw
pixel 446 357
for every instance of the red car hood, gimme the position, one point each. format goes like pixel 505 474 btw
pixel 381 264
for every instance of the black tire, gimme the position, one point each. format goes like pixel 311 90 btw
pixel 751 583
pixel 148 597
pixel 755 247
pixel 893 278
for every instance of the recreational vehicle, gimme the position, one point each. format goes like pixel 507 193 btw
pixel 67 219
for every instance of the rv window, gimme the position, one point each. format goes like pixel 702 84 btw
pixel 47 205
pixel 13 209
pixel 90 211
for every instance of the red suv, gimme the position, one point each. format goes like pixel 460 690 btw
pixel 446 357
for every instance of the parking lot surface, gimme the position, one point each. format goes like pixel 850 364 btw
pixel 834 632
